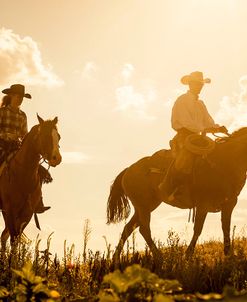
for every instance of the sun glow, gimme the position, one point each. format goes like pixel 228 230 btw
pixel 116 65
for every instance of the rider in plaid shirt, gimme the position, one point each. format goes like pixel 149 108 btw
pixel 13 127
pixel 13 123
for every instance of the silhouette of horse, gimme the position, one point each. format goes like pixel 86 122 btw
pixel 215 186
pixel 20 186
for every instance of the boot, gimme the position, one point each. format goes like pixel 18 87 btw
pixel 41 208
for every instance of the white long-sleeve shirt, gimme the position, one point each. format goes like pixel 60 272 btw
pixel 190 113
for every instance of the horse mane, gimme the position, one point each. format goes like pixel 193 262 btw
pixel 31 132
pixel 44 174
pixel 46 126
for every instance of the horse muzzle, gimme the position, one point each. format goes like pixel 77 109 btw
pixel 55 160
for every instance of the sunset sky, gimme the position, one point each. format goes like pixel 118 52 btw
pixel 110 70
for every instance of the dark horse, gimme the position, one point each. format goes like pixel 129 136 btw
pixel 215 186
pixel 20 186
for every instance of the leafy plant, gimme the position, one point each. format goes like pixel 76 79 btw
pixel 4 294
pixel 134 284
pixel 31 287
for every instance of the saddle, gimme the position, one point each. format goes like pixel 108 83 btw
pixel 160 164
pixel 204 186
pixel 176 169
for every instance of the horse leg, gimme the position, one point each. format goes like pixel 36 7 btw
pixel 12 224
pixel 20 225
pixel 199 221
pixel 144 221
pixel 226 214
pixel 128 229
pixel 14 240
pixel 4 238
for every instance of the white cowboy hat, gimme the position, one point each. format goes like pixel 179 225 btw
pixel 196 76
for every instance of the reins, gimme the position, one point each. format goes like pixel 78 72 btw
pixel 43 160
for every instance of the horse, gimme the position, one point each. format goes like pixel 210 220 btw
pixel 20 184
pixel 215 185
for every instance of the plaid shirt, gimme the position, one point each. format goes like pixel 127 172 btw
pixel 13 124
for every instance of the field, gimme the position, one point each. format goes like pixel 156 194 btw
pixel 30 274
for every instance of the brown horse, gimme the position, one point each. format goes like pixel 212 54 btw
pixel 20 186
pixel 215 186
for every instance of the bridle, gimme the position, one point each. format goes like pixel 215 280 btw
pixel 43 155
pixel 43 160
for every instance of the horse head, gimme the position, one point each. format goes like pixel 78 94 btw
pixel 49 141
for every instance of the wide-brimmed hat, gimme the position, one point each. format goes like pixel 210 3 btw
pixel 196 76
pixel 17 89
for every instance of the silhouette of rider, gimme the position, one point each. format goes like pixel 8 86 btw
pixel 13 126
pixel 189 116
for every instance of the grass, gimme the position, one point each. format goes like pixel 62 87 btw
pixel 82 277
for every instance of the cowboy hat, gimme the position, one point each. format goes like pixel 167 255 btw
pixel 17 89
pixel 195 76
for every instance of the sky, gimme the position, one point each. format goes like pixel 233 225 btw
pixel 110 70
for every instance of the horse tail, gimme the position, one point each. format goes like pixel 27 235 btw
pixel 118 207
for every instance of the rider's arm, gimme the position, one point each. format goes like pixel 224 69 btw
pixel 219 129
pixel 209 123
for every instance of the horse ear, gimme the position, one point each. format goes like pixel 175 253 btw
pixel 41 121
pixel 55 120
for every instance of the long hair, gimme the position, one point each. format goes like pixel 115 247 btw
pixel 5 101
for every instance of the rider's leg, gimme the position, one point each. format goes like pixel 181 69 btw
pixel 168 186
pixel 45 177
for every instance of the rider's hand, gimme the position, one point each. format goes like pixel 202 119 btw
pixel 219 129
pixel 222 129
pixel 210 130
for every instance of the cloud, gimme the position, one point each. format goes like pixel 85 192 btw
pixel 89 70
pixel 233 110
pixel 74 158
pixel 21 61
pixel 135 102
pixel 127 71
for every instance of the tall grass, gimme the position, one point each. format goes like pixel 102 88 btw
pixel 80 276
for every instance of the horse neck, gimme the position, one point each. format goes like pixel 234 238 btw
pixel 234 153
pixel 28 155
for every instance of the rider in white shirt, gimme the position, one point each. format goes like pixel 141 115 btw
pixel 189 116
pixel 191 113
